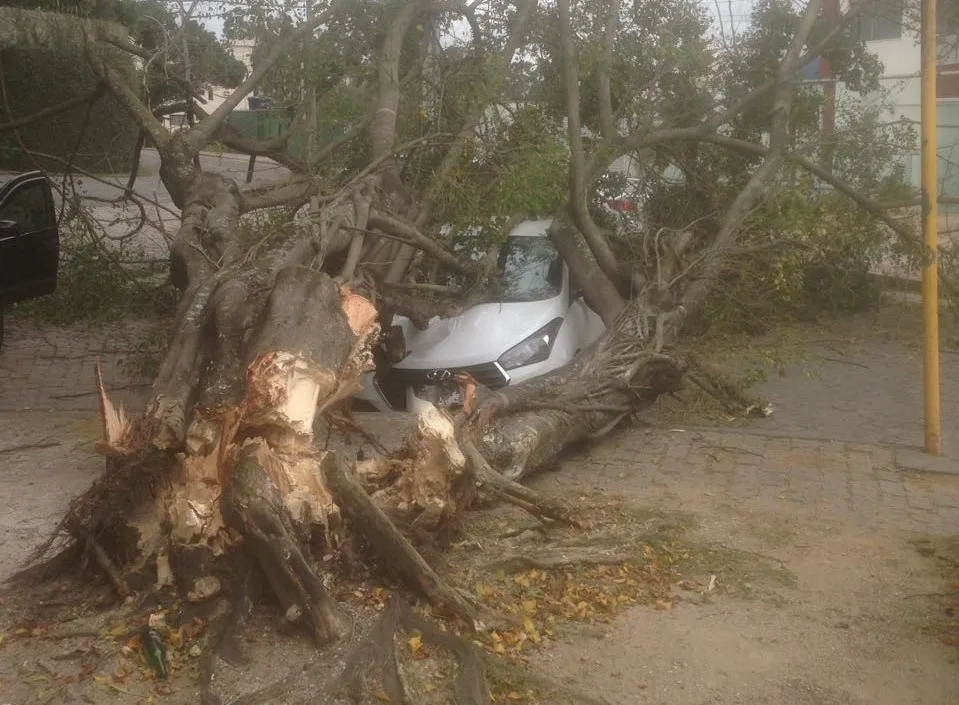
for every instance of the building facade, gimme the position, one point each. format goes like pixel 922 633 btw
pixel 890 29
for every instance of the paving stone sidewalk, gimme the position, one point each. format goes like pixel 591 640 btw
pixel 50 367
pixel 853 482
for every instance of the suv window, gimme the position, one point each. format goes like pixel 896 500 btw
pixel 29 206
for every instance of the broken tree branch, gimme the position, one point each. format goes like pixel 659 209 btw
pixel 394 550
pixel 606 118
pixel 578 172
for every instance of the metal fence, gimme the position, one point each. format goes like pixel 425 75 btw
pixel 259 124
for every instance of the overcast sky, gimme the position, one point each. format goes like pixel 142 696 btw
pixel 727 14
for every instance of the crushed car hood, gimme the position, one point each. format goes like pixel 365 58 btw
pixel 480 334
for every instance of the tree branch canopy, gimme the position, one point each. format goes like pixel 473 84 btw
pixel 201 133
pixel 757 185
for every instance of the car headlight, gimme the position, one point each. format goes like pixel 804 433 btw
pixel 535 348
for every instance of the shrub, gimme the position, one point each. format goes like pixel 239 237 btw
pixel 35 79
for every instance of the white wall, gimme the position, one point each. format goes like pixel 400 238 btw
pixel 902 84
pixel 241 49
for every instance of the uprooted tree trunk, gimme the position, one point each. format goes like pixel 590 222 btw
pixel 223 458
pixel 221 471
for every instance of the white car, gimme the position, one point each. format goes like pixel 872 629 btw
pixel 537 324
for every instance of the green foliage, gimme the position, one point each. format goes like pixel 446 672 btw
pixel 524 173
pixel 154 25
pixel 662 53
pixel 807 253
pixel 102 138
pixel 754 59
pixel 121 11
pixel 348 47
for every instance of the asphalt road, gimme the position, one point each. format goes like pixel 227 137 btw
pixel 148 183
pixel 152 241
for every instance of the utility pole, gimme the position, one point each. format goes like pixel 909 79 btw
pixel 930 234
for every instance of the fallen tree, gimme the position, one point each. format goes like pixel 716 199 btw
pixel 275 329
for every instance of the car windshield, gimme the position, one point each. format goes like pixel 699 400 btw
pixel 531 270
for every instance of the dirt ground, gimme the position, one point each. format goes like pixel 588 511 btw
pixel 827 608
pixel 793 562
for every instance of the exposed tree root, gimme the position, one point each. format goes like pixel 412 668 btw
pixel 95 550
pixel 223 639
pixel 40 571
pixel 541 507
pixel 393 549
pixel 559 557
pixel 253 506
pixel 373 665
pixel 102 512
pixel 470 686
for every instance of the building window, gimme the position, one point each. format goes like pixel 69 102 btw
pixel 882 19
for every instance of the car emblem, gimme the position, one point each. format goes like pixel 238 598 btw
pixel 435 376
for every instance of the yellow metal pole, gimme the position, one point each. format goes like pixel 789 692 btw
pixel 930 234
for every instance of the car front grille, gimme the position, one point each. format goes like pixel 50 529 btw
pixel 393 384
pixel 489 374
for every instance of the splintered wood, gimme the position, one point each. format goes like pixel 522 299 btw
pixel 360 312
pixel 282 390
pixel 282 393
pixel 426 481
pixel 246 473
pixel 116 428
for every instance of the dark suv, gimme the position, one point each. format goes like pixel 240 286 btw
pixel 29 240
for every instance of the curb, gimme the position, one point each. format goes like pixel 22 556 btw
pixel 910 459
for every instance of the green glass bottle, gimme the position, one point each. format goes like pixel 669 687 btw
pixel 154 650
